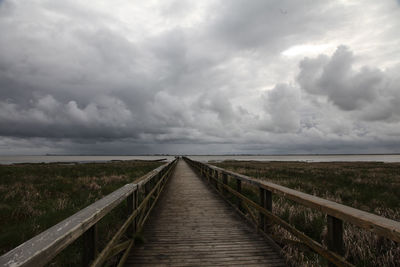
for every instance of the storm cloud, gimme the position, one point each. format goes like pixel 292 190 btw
pixel 199 77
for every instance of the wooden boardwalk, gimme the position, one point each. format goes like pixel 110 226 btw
pixel 192 225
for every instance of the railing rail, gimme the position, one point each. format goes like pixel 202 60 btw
pixel 336 213
pixel 42 248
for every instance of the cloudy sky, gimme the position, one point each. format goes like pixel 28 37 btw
pixel 202 77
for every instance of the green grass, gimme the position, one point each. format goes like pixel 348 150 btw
pixel 34 197
pixel 370 186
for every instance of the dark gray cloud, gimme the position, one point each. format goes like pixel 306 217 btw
pixel 370 92
pixel 282 105
pixel 209 77
pixel 336 79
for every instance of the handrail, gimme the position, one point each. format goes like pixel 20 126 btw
pixel 378 224
pixel 40 249
pixel 337 213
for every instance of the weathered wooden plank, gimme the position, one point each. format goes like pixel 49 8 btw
pixel 211 262
pixel 152 250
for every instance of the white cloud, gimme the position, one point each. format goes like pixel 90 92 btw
pixel 307 50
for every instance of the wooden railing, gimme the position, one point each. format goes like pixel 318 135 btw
pixel 336 213
pixel 140 197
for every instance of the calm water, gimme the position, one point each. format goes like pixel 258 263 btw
pixel 307 158
pixel 38 159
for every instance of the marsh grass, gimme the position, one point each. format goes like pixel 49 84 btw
pixel 34 197
pixel 370 186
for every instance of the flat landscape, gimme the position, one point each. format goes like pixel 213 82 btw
pixel 34 197
pixel 370 186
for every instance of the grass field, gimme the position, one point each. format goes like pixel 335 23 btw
pixel 34 197
pixel 370 186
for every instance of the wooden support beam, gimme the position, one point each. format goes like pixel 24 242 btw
pixel 239 190
pixel 135 206
pixel 225 182
pixel 89 245
pixel 215 175
pixel 265 202
pixel 147 189
pixel 335 235
pixel 129 210
pixel 119 248
pixel 125 255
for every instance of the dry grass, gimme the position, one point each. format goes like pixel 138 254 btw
pixel 373 187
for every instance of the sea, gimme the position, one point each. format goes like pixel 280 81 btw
pixel 203 158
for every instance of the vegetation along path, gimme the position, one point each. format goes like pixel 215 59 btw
pixel 191 225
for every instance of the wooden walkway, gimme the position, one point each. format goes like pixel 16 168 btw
pixel 192 225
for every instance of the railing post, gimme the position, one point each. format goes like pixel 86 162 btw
pixel 135 206
pixel 215 175
pixel 208 174
pixel 146 189
pixel 225 182
pixel 266 203
pixel 239 190
pixel 335 235
pixel 130 208
pixel 89 245
pixel 145 192
pixel 159 178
